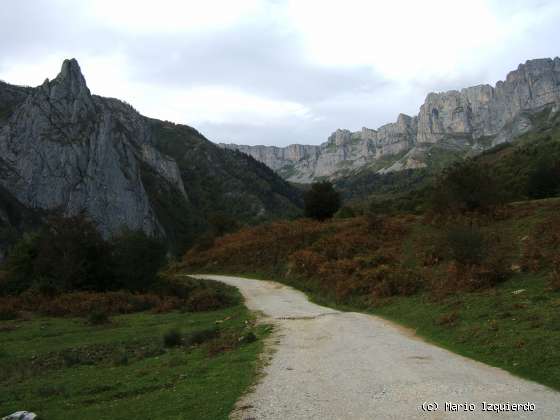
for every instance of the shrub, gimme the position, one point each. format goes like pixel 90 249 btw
pixel 540 246
pixel 202 336
pixel 250 337
pixel 221 223
pixel 71 253
pixel 172 338
pixel 374 222
pixel 19 265
pixel 208 299
pixel 397 281
pixel 98 318
pixel 306 263
pixel 448 319
pixel 555 274
pixel 471 277
pixel 345 213
pixel 466 244
pixel 544 181
pixel 321 201
pixel 225 342
pixel 120 359
pixel 466 187
pixel 84 303
pixel 136 260
pixel 8 314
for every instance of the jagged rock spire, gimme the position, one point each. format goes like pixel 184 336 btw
pixel 69 94
pixel 71 78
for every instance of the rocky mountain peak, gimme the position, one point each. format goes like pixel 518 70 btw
pixel 70 82
pixel 67 93
pixel 340 137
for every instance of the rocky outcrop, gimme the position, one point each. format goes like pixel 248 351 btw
pixel 474 118
pixel 21 415
pixel 65 150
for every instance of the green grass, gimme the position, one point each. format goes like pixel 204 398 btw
pixel 519 332
pixel 65 368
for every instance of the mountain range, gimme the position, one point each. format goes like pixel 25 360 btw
pixel 464 122
pixel 66 151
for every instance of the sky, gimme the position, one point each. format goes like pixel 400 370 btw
pixel 275 72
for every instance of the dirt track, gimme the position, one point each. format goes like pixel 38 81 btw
pixel 341 365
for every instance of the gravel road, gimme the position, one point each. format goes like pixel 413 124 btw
pixel 327 364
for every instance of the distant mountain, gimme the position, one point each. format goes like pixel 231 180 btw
pixel 512 166
pixel 65 150
pixel 449 124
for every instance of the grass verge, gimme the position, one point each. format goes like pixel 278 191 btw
pixel 65 368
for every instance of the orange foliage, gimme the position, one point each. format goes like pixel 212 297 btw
pixel 84 303
pixel 306 263
pixel 345 257
pixel 264 245
pixel 539 249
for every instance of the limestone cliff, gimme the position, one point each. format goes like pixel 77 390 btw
pixel 65 150
pixel 473 119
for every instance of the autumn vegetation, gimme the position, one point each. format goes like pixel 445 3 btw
pixel 67 269
pixel 474 271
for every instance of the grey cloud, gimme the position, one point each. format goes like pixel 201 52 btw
pixel 259 59
pixel 264 59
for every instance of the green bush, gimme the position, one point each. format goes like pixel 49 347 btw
pixel 69 254
pixel 466 244
pixel 466 187
pixel 202 336
pixel 66 254
pixel 98 318
pixel 321 201
pixel 8 314
pixel 172 338
pixel 208 299
pixel 19 265
pixel 345 213
pixel 220 224
pixel 72 253
pixel 544 181
pixel 136 259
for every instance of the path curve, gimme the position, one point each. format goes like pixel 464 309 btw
pixel 343 365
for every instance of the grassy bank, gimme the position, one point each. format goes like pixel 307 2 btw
pixel 397 271
pixel 67 368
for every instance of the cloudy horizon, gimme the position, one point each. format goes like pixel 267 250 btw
pixel 275 72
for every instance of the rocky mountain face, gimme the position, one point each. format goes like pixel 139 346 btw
pixel 469 120
pixel 65 150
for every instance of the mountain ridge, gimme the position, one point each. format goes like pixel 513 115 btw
pixel 471 119
pixel 64 150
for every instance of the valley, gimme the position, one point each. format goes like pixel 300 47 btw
pixel 401 270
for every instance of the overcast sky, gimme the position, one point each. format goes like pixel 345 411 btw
pixel 273 71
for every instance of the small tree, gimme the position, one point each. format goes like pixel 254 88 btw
pixel 73 255
pixel 19 264
pixel 220 224
pixel 466 187
pixel 321 201
pixel 136 260
pixel 544 181
pixel 466 244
